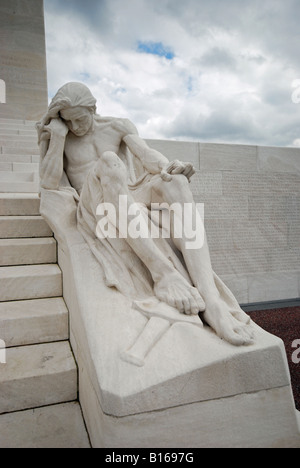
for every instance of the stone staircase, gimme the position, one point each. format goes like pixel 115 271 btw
pixel 19 156
pixel 38 377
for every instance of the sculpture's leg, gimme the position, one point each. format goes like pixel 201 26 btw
pixel 169 285
pixel 225 317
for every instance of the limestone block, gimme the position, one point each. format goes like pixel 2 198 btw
pixel 23 59
pixel 21 187
pixel 16 158
pixel 269 208
pixel 16 126
pixel 273 286
pixel 19 143
pixel 25 167
pixel 14 204
pixel 220 157
pixel 255 234
pixel 27 149
pixel 294 234
pixel 184 151
pixel 209 183
pixel 226 207
pixel 18 139
pixel 56 426
pixel 6 166
pixel 23 226
pixel 16 132
pixel 271 159
pixel 37 375
pixel 219 232
pixel 15 177
pixel 266 184
pixel 34 321
pixel 27 251
pixel 30 282
pixel 264 419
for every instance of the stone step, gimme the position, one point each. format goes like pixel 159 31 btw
pixel 17 177
pixel 27 251
pixel 57 426
pixel 22 150
pixel 6 166
pixel 19 139
pixel 37 375
pixel 12 227
pixel 30 282
pixel 19 158
pixel 22 187
pixel 32 322
pixel 19 204
pixel 17 122
pixel 17 132
pixel 20 143
pixel 19 167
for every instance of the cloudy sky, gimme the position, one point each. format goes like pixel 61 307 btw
pixel 205 70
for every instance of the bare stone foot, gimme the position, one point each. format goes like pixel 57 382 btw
pixel 177 292
pixel 232 326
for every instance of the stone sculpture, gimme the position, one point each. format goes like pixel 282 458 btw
pixel 151 369
pixel 105 159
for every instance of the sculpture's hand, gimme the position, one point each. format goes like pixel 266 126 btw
pixel 55 128
pixel 177 167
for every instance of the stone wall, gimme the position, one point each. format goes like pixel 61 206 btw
pixel 251 198
pixel 23 59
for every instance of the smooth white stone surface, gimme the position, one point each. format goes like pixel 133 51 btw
pixel 23 59
pixel 37 375
pixel 19 204
pixel 57 426
pixel 272 159
pixel 23 226
pixel 33 321
pixel 226 157
pixel 264 419
pixel 30 282
pixel 27 251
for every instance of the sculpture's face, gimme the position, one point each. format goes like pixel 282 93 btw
pixel 79 120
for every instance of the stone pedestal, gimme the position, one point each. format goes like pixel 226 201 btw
pixel 23 59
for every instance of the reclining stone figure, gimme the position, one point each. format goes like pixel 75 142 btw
pixel 104 158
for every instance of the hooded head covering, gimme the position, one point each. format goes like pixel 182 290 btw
pixel 70 95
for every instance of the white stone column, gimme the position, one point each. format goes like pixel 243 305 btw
pixel 23 59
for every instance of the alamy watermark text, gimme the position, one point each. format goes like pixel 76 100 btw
pixel 135 220
pixel 296 353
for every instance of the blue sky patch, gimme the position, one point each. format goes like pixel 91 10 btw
pixel 155 48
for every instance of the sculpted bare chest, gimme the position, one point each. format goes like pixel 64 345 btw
pixel 82 152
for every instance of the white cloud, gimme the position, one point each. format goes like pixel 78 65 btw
pixel 230 79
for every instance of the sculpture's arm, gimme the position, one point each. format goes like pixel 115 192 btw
pixel 52 146
pixel 152 160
